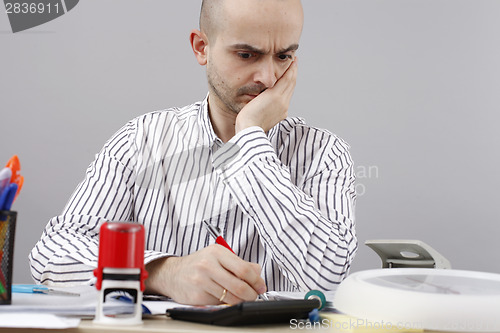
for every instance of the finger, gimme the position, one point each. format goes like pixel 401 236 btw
pixel 291 71
pixel 286 84
pixel 256 268
pixel 217 295
pixel 215 289
pixel 227 297
pixel 232 273
pixel 246 275
pixel 245 271
pixel 291 66
pixel 292 78
pixel 231 299
pixel 235 285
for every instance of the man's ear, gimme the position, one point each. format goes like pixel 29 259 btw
pixel 199 44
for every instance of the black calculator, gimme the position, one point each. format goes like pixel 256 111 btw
pixel 247 313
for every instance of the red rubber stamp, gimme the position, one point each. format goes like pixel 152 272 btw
pixel 120 270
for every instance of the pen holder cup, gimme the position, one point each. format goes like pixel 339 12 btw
pixel 7 235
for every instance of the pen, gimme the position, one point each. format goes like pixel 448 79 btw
pixel 39 289
pixel 215 233
pixel 15 166
pixel 10 185
pixel 7 193
pixel 5 175
pixel 7 197
pixel 129 300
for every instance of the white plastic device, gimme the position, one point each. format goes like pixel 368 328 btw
pixel 423 298
pixel 406 253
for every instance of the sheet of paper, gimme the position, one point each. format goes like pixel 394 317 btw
pixel 296 295
pixel 84 306
pixel 37 320
pixel 81 306
pixel 160 307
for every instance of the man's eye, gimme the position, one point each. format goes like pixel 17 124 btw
pixel 244 55
pixel 285 57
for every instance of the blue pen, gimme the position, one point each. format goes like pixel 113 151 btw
pixel 11 196
pixel 129 300
pixel 7 197
pixel 39 289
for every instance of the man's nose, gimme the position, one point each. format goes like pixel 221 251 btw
pixel 266 73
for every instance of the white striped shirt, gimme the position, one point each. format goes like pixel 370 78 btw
pixel 283 199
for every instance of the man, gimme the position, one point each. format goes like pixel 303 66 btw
pixel 281 192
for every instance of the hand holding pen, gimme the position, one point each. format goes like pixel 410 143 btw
pixel 215 233
pixel 212 275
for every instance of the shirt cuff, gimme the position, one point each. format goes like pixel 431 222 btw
pixel 150 256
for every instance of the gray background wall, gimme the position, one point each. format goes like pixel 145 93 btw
pixel 412 85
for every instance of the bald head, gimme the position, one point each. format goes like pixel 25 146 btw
pixel 209 16
pixel 212 15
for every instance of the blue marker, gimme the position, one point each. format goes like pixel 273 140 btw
pixel 7 197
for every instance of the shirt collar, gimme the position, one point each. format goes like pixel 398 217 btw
pixel 209 137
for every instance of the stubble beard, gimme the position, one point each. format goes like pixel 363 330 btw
pixel 223 92
pixel 226 94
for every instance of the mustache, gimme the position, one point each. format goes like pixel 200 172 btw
pixel 252 90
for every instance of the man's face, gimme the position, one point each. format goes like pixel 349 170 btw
pixel 254 45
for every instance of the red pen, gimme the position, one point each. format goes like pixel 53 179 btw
pixel 215 233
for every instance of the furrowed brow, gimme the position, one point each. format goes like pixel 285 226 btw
pixel 250 48
pixel 293 47
pixel 247 47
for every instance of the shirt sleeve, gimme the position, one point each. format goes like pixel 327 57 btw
pixel 67 251
pixel 308 228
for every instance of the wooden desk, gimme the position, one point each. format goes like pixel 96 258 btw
pixel 167 325
pixel 156 324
